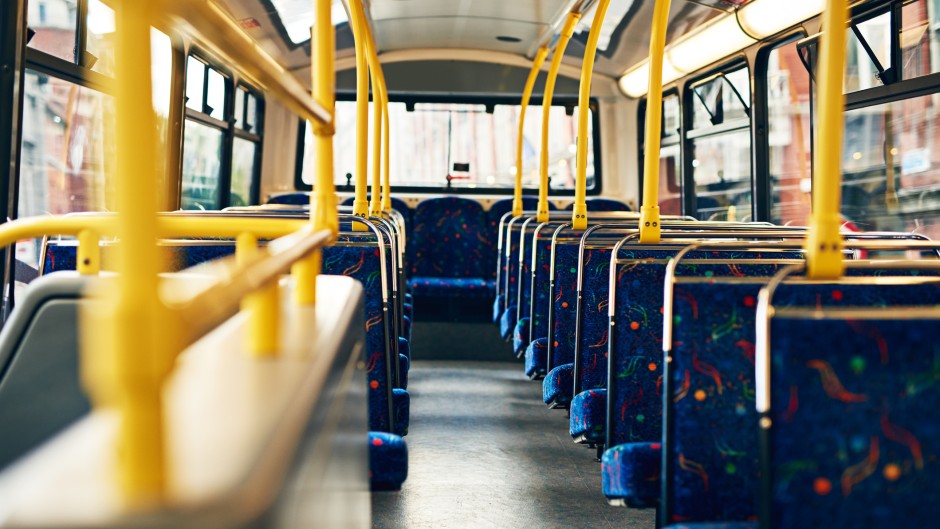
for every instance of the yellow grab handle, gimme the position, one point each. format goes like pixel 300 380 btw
pixel 649 212
pixel 566 32
pixel 378 111
pixel 823 243
pixel 358 25
pixel 537 63
pixel 579 217
pixel 386 179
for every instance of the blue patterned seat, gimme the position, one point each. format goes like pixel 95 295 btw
pixel 602 204
pixel 853 403
pixel 450 246
pixel 388 461
pixel 630 474
pixel 536 357
pixel 556 388
pixel 562 319
pixel 507 322
pixel 588 422
pixel 520 337
pixel 493 216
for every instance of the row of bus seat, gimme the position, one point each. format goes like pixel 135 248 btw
pixel 661 353
pixel 373 257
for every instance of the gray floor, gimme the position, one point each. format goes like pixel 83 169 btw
pixel 485 452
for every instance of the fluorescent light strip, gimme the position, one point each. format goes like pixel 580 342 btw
pixel 720 38
pixel 297 17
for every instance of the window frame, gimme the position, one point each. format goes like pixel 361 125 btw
pixel 672 141
pixel 489 101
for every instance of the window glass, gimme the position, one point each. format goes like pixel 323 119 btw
pixel 920 45
pixel 860 70
pixel 790 156
pixel 215 95
pixel 243 169
pixel 251 115
pixel 99 39
pixel 55 23
pixel 437 136
pixel 202 166
pixel 195 83
pixel 240 108
pixel 722 99
pixel 891 170
pixel 721 168
pixel 670 190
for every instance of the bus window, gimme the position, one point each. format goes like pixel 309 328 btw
pixel 788 126
pixel 720 146
pixel 56 24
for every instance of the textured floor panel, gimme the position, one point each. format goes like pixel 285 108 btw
pixel 485 452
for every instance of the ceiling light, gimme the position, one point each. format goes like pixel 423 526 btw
pixel 297 17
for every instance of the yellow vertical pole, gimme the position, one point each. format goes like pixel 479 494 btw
pixel 89 253
pixel 566 32
pixel 262 306
pixel 358 25
pixel 323 200
pixel 823 243
pixel 650 230
pixel 378 110
pixel 386 178
pixel 579 217
pixel 537 63
pixel 142 346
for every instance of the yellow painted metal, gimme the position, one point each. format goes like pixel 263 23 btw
pixel 34 227
pixel 215 30
pixel 566 32
pixel 823 242
pixel 378 112
pixel 537 63
pixel 579 214
pixel 89 253
pixel 262 305
pixel 141 349
pixel 650 230
pixel 358 25
pixel 386 178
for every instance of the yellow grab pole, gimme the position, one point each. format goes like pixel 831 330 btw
pixel 537 63
pixel 566 32
pixel 323 200
pixel 89 253
pixel 262 305
pixel 375 206
pixel 386 178
pixel 579 211
pixel 138 358
pixel 649 212
pixel 823 243
pixel 358 25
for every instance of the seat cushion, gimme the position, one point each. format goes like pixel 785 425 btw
pixel 408 310
pixel 536 358
pixel 507 322
pixel 558 386
pixel 498 308
pixel 520 337
pixel 388 461
pixel 630 474
pixel 402 403
pixel 403 365
pixel 452 287
pixel 588 422
pixel 406 330
pixel 404 347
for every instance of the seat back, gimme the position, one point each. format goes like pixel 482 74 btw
pixel 541 279
pixel 602 204
pixel 449 238
pixel 493 217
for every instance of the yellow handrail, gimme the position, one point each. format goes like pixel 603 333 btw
pixel 579 217
pixel 823 242
pixel 378 110
pixel 650 231
pixel 537 63
pixel 566 32
pixel 206 22
pixel 386 178
pixel 358 25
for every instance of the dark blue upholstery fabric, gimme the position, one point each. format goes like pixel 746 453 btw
pixel 524 294
pixel 408 310
pixel 602 204
pixel 388 461
pixel 520 337
pixel 402 404
pixel 404 347
pixel 467 287
pixel 403 365
pixel 630 473
pixel 856 443
pixel 714 525
pixel 541 283
pixel 498 305
pixel 493 216
pixel 593 332
pixel 588 420
pixel 406 328
pixel 536 358
pixel 563 318
pixel 558 386
pixel 507 322
pixel 291 199
pixel 450 239
pixel 510 273
pixel 409 298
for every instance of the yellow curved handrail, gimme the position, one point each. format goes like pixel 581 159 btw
pixel 823 242
pixel 358 25
pixel 566 33
pixel 650 231
pixel 579 215
pixel 537 63
pixel 378 111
